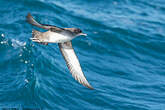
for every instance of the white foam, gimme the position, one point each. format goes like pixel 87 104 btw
pixel 26 81
pixel 26 62
pixel 95 32
pixel 3 42
pixel 2 35
pixel 17 43
pixel 20 55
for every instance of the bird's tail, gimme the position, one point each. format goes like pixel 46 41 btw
pixel 31 20
pixel 36 36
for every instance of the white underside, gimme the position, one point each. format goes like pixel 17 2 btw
pixel 74 65
pixel 73 60
pixel 58 38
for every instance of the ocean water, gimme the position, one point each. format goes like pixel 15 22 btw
pixel 123 56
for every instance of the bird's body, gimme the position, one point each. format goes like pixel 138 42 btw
pixel 63 37
pixel 50 37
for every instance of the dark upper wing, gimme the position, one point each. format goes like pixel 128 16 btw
pixel 73 63
pixel 32 21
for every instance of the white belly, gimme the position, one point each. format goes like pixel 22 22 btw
pixel 58 38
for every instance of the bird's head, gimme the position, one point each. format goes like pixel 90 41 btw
pixel 78 32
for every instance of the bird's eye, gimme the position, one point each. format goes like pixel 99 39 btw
pixel 79 31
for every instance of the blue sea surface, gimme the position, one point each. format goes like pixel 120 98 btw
pixel 123 56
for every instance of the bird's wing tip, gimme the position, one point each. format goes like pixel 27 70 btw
pixel 90 87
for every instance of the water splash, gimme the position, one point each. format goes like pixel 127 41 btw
pixel 16 43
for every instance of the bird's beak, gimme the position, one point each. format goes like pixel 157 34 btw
pixel 83 34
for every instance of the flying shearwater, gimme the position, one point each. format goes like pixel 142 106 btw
pixel 63 37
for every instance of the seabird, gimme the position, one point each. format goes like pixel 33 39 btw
pixel 63 37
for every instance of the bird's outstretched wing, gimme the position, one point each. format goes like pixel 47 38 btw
pixel 32 21
pixel 73 63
